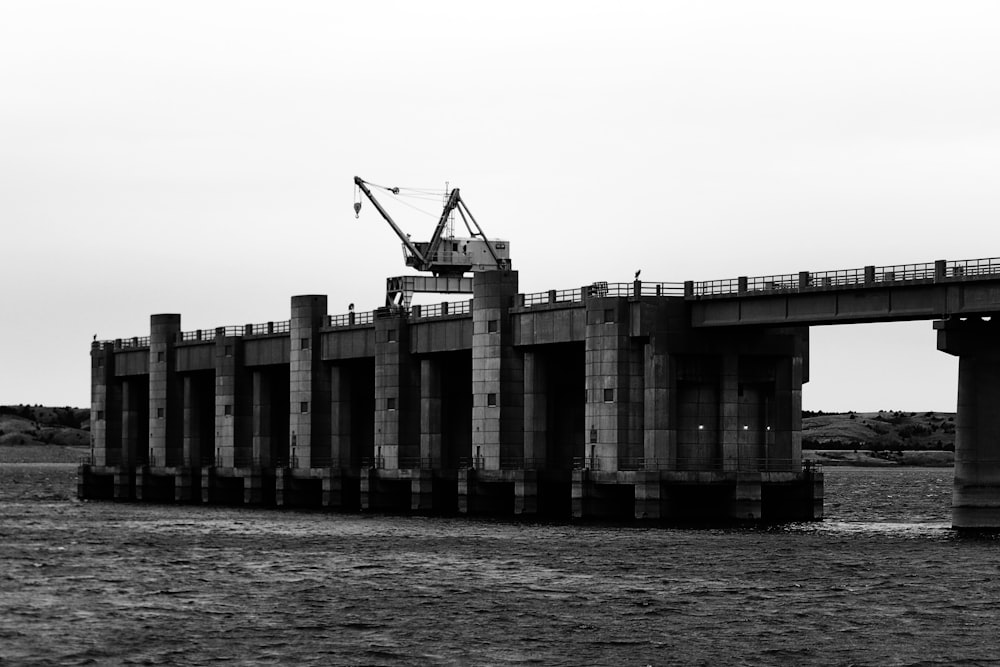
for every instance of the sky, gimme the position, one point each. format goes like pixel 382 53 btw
pixel 198 158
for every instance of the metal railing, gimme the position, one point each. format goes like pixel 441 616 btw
pixel 442 309
pixel 131 343
pixel 603 289
pixel 552 296
pixel 268 328
pixel 661 289
pixel 198 335
pixel 940 270
pixel 351 319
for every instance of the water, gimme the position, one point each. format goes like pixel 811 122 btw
pixel 883 581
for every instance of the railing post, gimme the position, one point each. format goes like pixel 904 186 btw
pixel 637 289
pixel 416 312
pixel 803 279
pixel 270 327
pixel 552 297
pixel 741 284
pixel 869 275
pixel 940 268
pixel 444 307
pixel 688 288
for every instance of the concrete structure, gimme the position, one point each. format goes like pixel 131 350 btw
pixel 645 400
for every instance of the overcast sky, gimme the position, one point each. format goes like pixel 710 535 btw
pixel 197 158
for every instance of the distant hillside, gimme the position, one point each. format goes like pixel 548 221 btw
pixel 30 425
pixel 890 431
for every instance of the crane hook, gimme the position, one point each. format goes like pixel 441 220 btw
pixel 357 209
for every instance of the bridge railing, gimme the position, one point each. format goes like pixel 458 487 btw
pixel 551 296
pixel 973 267
pixel 351 319
pixel 131 343
pixel 860 277
pixel 443 309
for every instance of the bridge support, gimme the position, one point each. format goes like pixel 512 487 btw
pixel 976 494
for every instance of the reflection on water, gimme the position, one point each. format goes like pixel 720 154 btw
pixel 882 581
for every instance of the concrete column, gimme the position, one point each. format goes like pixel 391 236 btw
pixel 340 417
pixel 262 422
pixel 784 445
pixel 124 480
pixel 431 405
pixel 729 411
pixel 233 412
pixel 746 504
pixel 976 491
pixel 497 373
pixel 660 413
pixel 165 392
pixel 191 435
pixel 422 491
pixel 102 404
pixel 396 416
pixel 535 411
pixel 309 386
pixel 609 385
pixel 648 495
pixel 526 492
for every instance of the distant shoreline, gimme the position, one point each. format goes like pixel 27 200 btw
pixel 881 459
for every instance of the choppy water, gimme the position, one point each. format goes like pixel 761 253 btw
pixel 883 581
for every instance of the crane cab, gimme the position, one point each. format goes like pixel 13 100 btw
pixel 456 255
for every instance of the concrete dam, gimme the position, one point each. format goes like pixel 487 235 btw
pixel 658 401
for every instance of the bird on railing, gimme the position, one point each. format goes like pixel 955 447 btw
pixel 637 274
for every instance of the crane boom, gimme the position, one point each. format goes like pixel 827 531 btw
pixel 388 218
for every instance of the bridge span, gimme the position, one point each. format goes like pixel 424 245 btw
pixel 647 400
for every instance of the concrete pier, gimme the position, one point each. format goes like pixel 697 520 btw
pixel 976 495
pixel 599 402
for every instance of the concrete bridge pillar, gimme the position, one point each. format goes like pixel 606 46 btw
pixel 165 413
pixel 262 419
pixel 233 411
pixel 535 411
pixel 660 411
pixel 396 387
pixel 614 378
pixel 976 491
pixel 431 407
pixel 191 440
pixel 132 430
pixel 104 408
pixel 309 387
pixel 341 446
pixel 497 373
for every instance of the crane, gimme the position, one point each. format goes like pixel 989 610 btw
pixel 446 257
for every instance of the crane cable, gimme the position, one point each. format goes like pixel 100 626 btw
pixel 429 194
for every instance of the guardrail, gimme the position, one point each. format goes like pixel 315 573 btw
pixel 442 309
pixel 602 289
pixel 351 319
pixel 130 343
pixel 868 276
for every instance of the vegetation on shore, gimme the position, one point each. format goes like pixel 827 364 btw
pixel 40 434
